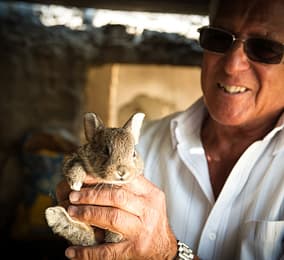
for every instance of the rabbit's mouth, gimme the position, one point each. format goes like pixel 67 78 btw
pixel 118 177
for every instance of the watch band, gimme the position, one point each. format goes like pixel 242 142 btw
pixel 184 252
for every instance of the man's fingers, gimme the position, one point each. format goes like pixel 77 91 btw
pixel 130 197
pixel 104 251
pixel 106 218
pixel 109 196
pixel 139 185
pixel 90 179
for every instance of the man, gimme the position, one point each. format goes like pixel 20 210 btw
pixel 217 168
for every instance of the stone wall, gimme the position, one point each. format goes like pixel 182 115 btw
pixel 44 68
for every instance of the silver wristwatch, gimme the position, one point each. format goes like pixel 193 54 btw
pixel 184 252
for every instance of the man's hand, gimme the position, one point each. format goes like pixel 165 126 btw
pixel 136 210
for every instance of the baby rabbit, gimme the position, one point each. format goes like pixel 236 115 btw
pixel 111 157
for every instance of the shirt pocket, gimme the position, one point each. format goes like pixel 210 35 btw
pixel 262 240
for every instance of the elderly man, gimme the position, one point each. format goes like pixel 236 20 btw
pixel 214 174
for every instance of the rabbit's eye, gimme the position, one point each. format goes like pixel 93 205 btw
pixel 134 154
pixel 107 150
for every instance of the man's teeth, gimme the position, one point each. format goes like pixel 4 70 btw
pixel 232 89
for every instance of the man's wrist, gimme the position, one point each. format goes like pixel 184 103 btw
pixel 184 252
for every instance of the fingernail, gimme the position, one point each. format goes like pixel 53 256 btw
pixel 72 210
pixel 74 196
pixel 70 253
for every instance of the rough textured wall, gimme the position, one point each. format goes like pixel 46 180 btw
pixel 43 69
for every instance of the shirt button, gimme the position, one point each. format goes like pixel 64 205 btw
pixel 212 236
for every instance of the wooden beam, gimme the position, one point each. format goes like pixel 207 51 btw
pixel 165 6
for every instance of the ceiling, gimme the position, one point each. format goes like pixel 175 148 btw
pixel 167 6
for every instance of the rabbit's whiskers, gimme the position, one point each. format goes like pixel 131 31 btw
pixel 98 187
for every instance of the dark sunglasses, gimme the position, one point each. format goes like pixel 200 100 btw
pixel 257 49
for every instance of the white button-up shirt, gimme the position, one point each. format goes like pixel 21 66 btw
pixel 247 220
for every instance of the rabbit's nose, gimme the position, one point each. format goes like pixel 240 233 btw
pixel 121 172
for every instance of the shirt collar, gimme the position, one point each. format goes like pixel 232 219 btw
pixel 180 132
pixel 279 132
pixel 194 115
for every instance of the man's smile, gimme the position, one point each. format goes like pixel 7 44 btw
pixel 232 89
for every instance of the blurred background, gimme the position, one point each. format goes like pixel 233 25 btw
pixel 62 58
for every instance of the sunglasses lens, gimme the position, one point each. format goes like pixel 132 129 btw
pixel 257 49
pixel 215 40
pixel 263 50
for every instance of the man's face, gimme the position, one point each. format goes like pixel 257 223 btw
pixel 238 91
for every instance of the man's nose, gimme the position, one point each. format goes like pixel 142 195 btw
pixel 236 60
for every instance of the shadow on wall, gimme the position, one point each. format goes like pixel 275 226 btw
pixel 27 186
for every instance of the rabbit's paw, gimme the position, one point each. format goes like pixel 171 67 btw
pixel 75 176
pixel 76 232
pixel 111 237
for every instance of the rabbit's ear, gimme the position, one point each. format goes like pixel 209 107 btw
pixel 134 124
pixel 92 122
